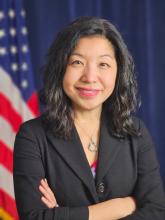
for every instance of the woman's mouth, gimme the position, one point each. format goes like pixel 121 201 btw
pixel 88 92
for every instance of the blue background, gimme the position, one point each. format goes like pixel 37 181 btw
pixel 142 25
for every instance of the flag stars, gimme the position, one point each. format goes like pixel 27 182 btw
pixel 12 31
pixel 24 31
pixel 24 84
pixel 24 48
pixel 1 15
pixel 11 13
pixel 3 51
pixel 13 49
pixel 2 33
pixel 14 67
pixel 24 66
pixel 23 13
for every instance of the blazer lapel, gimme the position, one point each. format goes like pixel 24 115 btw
pixel 109 147
pixel 73 153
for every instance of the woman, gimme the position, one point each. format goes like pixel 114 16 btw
pixel 86 157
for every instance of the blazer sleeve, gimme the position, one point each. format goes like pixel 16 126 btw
pixel 149 192
pixel 28 171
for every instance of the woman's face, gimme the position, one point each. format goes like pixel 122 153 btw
pixel 91 73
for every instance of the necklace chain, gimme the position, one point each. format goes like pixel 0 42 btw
pixel 92 146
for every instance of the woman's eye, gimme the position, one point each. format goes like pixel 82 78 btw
pixel 104 65
pixel 76 62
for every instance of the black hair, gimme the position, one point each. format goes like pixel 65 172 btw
pixel 118 107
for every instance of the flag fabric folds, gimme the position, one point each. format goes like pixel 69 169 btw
pixel 18 98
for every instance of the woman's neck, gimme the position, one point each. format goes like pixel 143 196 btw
pixel 87 117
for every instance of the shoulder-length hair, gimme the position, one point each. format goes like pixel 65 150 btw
pixel 118 107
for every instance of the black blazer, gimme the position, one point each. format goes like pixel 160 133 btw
pixel 126 167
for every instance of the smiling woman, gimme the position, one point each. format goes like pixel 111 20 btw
pixel 87 157
pixel 91 73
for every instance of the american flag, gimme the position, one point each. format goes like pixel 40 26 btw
pixel 18 99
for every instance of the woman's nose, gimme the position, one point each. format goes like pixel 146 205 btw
pixel 90 74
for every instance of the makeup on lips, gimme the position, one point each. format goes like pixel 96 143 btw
pixel 88 92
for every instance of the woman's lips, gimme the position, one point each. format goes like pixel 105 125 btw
pixel 88 92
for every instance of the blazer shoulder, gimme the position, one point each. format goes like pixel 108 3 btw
pixel 144 139
pixel 32 127
pixel 140 125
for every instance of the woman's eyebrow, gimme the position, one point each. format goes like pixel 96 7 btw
pixel 77 54
pixel 107 55
pixel 81 55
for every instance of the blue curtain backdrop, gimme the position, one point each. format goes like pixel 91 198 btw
pixel 141 23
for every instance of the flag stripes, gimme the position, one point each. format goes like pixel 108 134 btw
pixel 9 113
pixel 18 98
pixel 8 134
pixel 13 94
pixel 8 205
pixel 6 157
